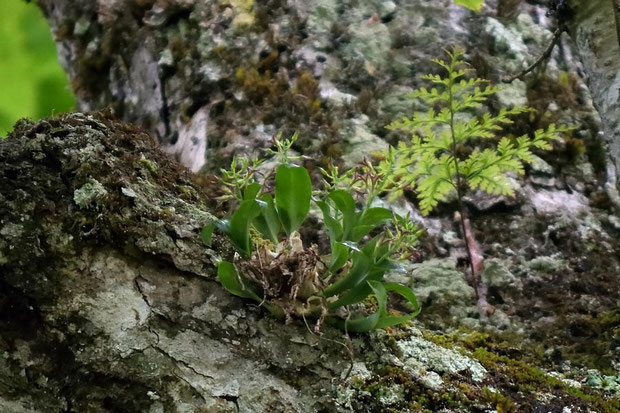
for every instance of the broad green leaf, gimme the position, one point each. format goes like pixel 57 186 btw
pixel 239 226
pixel 368 220
pixel 251 191
pixel 340 255
pixel 474 5
pixel 375 216
pixel 268 223
pixel 334 228
pixel 354 246
pixel 233 283
pixel 293 192
pixel 346 205
pixel 387 320
pixel 356 294
pixel 207 234
pixel 382 318
pixel 370 248
pixel 363 324
pixel 371 322
pixel 223 225
pixel 357 274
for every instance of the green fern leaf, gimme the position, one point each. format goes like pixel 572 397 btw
pixel 430 160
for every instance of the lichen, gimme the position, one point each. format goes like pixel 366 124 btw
pixel 418 354
pixel 90 192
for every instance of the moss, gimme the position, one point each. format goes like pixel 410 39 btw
pixel 296 108
pixel 575 148
pixel 501 403
pixel 564 89
pixel 148 165
pixel 523 378
pixel 518 380
pixel 415 397
pixel 439 339
pixel 245 16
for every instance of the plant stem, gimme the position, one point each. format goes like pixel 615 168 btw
pixel 459 195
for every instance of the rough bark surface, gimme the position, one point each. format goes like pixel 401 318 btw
pixel 212 78
pixel 108 303
pixel 107 297
pixel 595 32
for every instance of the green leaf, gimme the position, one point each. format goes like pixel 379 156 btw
pixel 474 5
pixel 368 220
pixel 344 203
pixel 223 225
pixel 340 255
pixel 370 248
pixel 356 294
pixel 239 226
pixel 382 318
pixel 293 192
pixel 363 324
pixel 334 228
pixel 268 222
pixel 251 191
pixel 233 282
pixel 371 322
pixel 387 320
pixel 207 234
pixel 360 265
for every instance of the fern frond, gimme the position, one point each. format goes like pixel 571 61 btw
pixel 436 181
pixel 543 138
pixel 431 96
pixel 472 100
pixel 467 85
pixel 430 160
pixel 418 121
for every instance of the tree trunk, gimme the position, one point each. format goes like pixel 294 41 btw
pixel 108 303
pixel 595 31
pixel 210 79
pixel 108 299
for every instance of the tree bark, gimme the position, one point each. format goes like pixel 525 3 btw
pixel 108 299
pixel 108 302
pixel 209 79
pixel 594 29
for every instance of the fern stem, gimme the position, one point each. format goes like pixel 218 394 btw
pixel 459 195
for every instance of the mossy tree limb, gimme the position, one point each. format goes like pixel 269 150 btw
pixel 108 300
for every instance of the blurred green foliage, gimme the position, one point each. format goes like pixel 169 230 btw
pixel 32 83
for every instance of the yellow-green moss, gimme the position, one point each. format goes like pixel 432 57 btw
pixel 148 165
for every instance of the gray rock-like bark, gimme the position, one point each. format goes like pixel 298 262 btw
pixel 212 78
pixel 594 28
pixel 108 303
pixel 108 300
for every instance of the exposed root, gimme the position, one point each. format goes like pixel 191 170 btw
pixel 288 276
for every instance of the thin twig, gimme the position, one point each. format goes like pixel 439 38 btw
pixel 556 38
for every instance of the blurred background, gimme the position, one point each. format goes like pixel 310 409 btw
pixel 32 83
